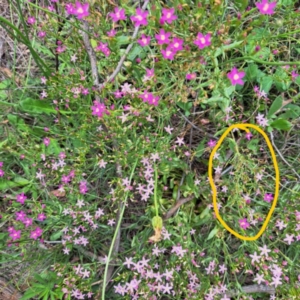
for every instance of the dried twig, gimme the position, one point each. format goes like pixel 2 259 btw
pixel 250 289
pixel 119 66
pixel 196 127
pixel 180 202
pixel 92 56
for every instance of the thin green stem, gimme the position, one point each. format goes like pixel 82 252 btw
pixel 115 236
pixel 155 191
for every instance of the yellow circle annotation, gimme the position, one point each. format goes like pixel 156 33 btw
pixel 211 181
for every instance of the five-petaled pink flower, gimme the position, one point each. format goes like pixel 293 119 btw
pixel 168 53
pixel 265 7
pixel 244 223
pixel 81 10
pixel 268 197
pixel 176 44
pixel 162 37
pixel 235 76
pixel 144 40
pixel 21 198
pixel 203 41
pixel 140 18
pixel 167 16
pixel 119 14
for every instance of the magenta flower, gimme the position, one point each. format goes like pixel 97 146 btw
pixel 236 77
pixel 20 216
pixel 167 16
pixel 27 222
pixel 146 96
pixel 203 41
pixel 149 72
pixel 244 223
pixel 294 75
pixel 265 7
pixel 81 10
pixel 15 234
pixel 154 101
pixel 21 198
pixel 144 40
pixel 140 18
pixel 70 8
pixel 2 173
pixel 190 76
pixel 41 217
pixel 168 53
pixel 249 136
pixel 98 109
pixel 36 233
pixel 211 143
pixel 31 20
pixel 268 197
pixel 162 37
pixel 119 14
pixel 176 44
pixel 46 141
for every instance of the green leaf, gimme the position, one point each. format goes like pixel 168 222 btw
pixel 251 72
pixel 55 236
pixel 276 105
pixel 21 181
pixel 212 233
pixel 292 111
pixel 93 43
pixel 241 4
pixel 53 147
pixel 37 106
pixel 281 124
pixel 136 51
pixel 29 294
pixel 266 83
pixel 122 40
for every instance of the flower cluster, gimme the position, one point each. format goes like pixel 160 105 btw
pixel 79 10
pixel 99 109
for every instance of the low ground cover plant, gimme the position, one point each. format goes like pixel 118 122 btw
pixel 106 138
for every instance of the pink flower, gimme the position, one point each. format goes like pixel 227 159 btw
pixel 15 234
pixel 119 14
pixel 162 37
pixel 211 143
pixel 111 33
pixel 98 109
pixel 46 141
pixel 36 233
pixel 140 18
pixel 41 34
pixel 41 217
pixel 168 53
pixel 81 10
pixel 146 96
pixel 176 44
pixel 236 77
pixel 265 7
pixel 244 223
pixel 31 20
pixel 144 40
pixel 149 72
pixel 203 41
pixel 20 216
pixel 1 173
pixel 190 76
pixel 268 197
pixel 21 198
pixel 168 16
pixel 70 8
pixel 249 136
